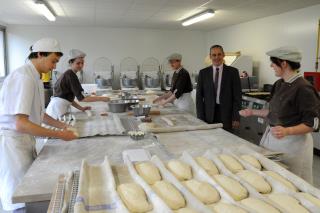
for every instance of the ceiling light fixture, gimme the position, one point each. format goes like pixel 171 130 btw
pixel 45 9
pixel 198 17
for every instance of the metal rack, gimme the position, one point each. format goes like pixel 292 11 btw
pixel 150 74
pixel 129 74
pixel 103 72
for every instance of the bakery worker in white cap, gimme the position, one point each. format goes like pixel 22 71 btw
pixel 21 115
pixel 181 88
pixel 293 113
pixel 68 87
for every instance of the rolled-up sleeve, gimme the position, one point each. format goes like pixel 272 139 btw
pixel 181 85
pixel 309 106
pixel 76 87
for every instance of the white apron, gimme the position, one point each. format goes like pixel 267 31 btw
pixel 17 153
pixel 297 149
pixel 185 102
pixel 58 107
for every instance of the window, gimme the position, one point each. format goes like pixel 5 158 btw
pixel 3 63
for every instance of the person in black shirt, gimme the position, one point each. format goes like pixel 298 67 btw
pixel 68 87
pixel 181 88
pixel 292 115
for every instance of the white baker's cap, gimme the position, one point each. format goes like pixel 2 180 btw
pixel 46 45
pixel 74 53
pixel 174 56
pixel 286 53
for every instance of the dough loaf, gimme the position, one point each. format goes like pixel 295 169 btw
pixel 134 197
pixel 252 161
pixel 226 208
pixel 233 187
pixel 259 206
pixel 282 180
pixel 231 163
pixel 169 194
pixel 180 170
pixel 312 199
pixel 148 171
pixel 203 191
pixel 288 203
pixel 207 165
pixel 185 210
pixel 255 180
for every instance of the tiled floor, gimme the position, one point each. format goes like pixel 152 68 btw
pixel 316 176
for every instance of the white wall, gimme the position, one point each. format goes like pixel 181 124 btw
pixel 113 43
pixel 296 28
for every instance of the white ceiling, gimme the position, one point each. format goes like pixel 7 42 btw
pixel 156 14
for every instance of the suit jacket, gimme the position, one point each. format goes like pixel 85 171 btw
pixel 230 96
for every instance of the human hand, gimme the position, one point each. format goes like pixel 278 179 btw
pixel 279 132
pixel 86 108
pixel 68 134
pixel 246 112
pixel 235 124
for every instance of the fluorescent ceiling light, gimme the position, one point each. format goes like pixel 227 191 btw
pixel 45 10
pixel 198 17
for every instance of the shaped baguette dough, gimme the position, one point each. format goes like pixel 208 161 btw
pixel 288 203
pixel 312 199
pixel 207 165
pixel 252 161
pixel 203 191
pixel 282 180
pixel 180 170
pixel 148 171
pixel 231 163
pixel 134 197
pixel 255 180
pixel 169 194
pixel 233 187
pixel 259 206
pixel 185 210
pixel 226 208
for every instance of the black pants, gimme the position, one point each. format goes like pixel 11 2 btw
pixel 217 118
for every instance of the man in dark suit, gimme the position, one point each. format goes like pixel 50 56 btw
pixel 218 97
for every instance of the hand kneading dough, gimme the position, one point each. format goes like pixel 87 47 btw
pixel 180 170
pixel 203 191
pixel 312 199
pixel 148 171
pixel 288 203
pixel 134 197
pixel 226 208
pixel 282 180
pixel 207 165
pixel 169 194
pixel 232 164
pixel 233 187
pixel 252 161
pixel 185 210
pixel 255 180
pixel 259 206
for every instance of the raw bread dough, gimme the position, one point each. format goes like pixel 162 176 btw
pixel 231 163
pixel 89 113
pixel 259 206
pixel 134 197
pixel 203 191
pixel 147 126
pixel 185 210
pixel 312 199
pixel 180 170
pixel 282 180
pixel 288 203
pixel 226 208
pixel 255 180
pixel 233 187
pixel 169 194
pixel 148 171
pixel 252 161
pixel 207 165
